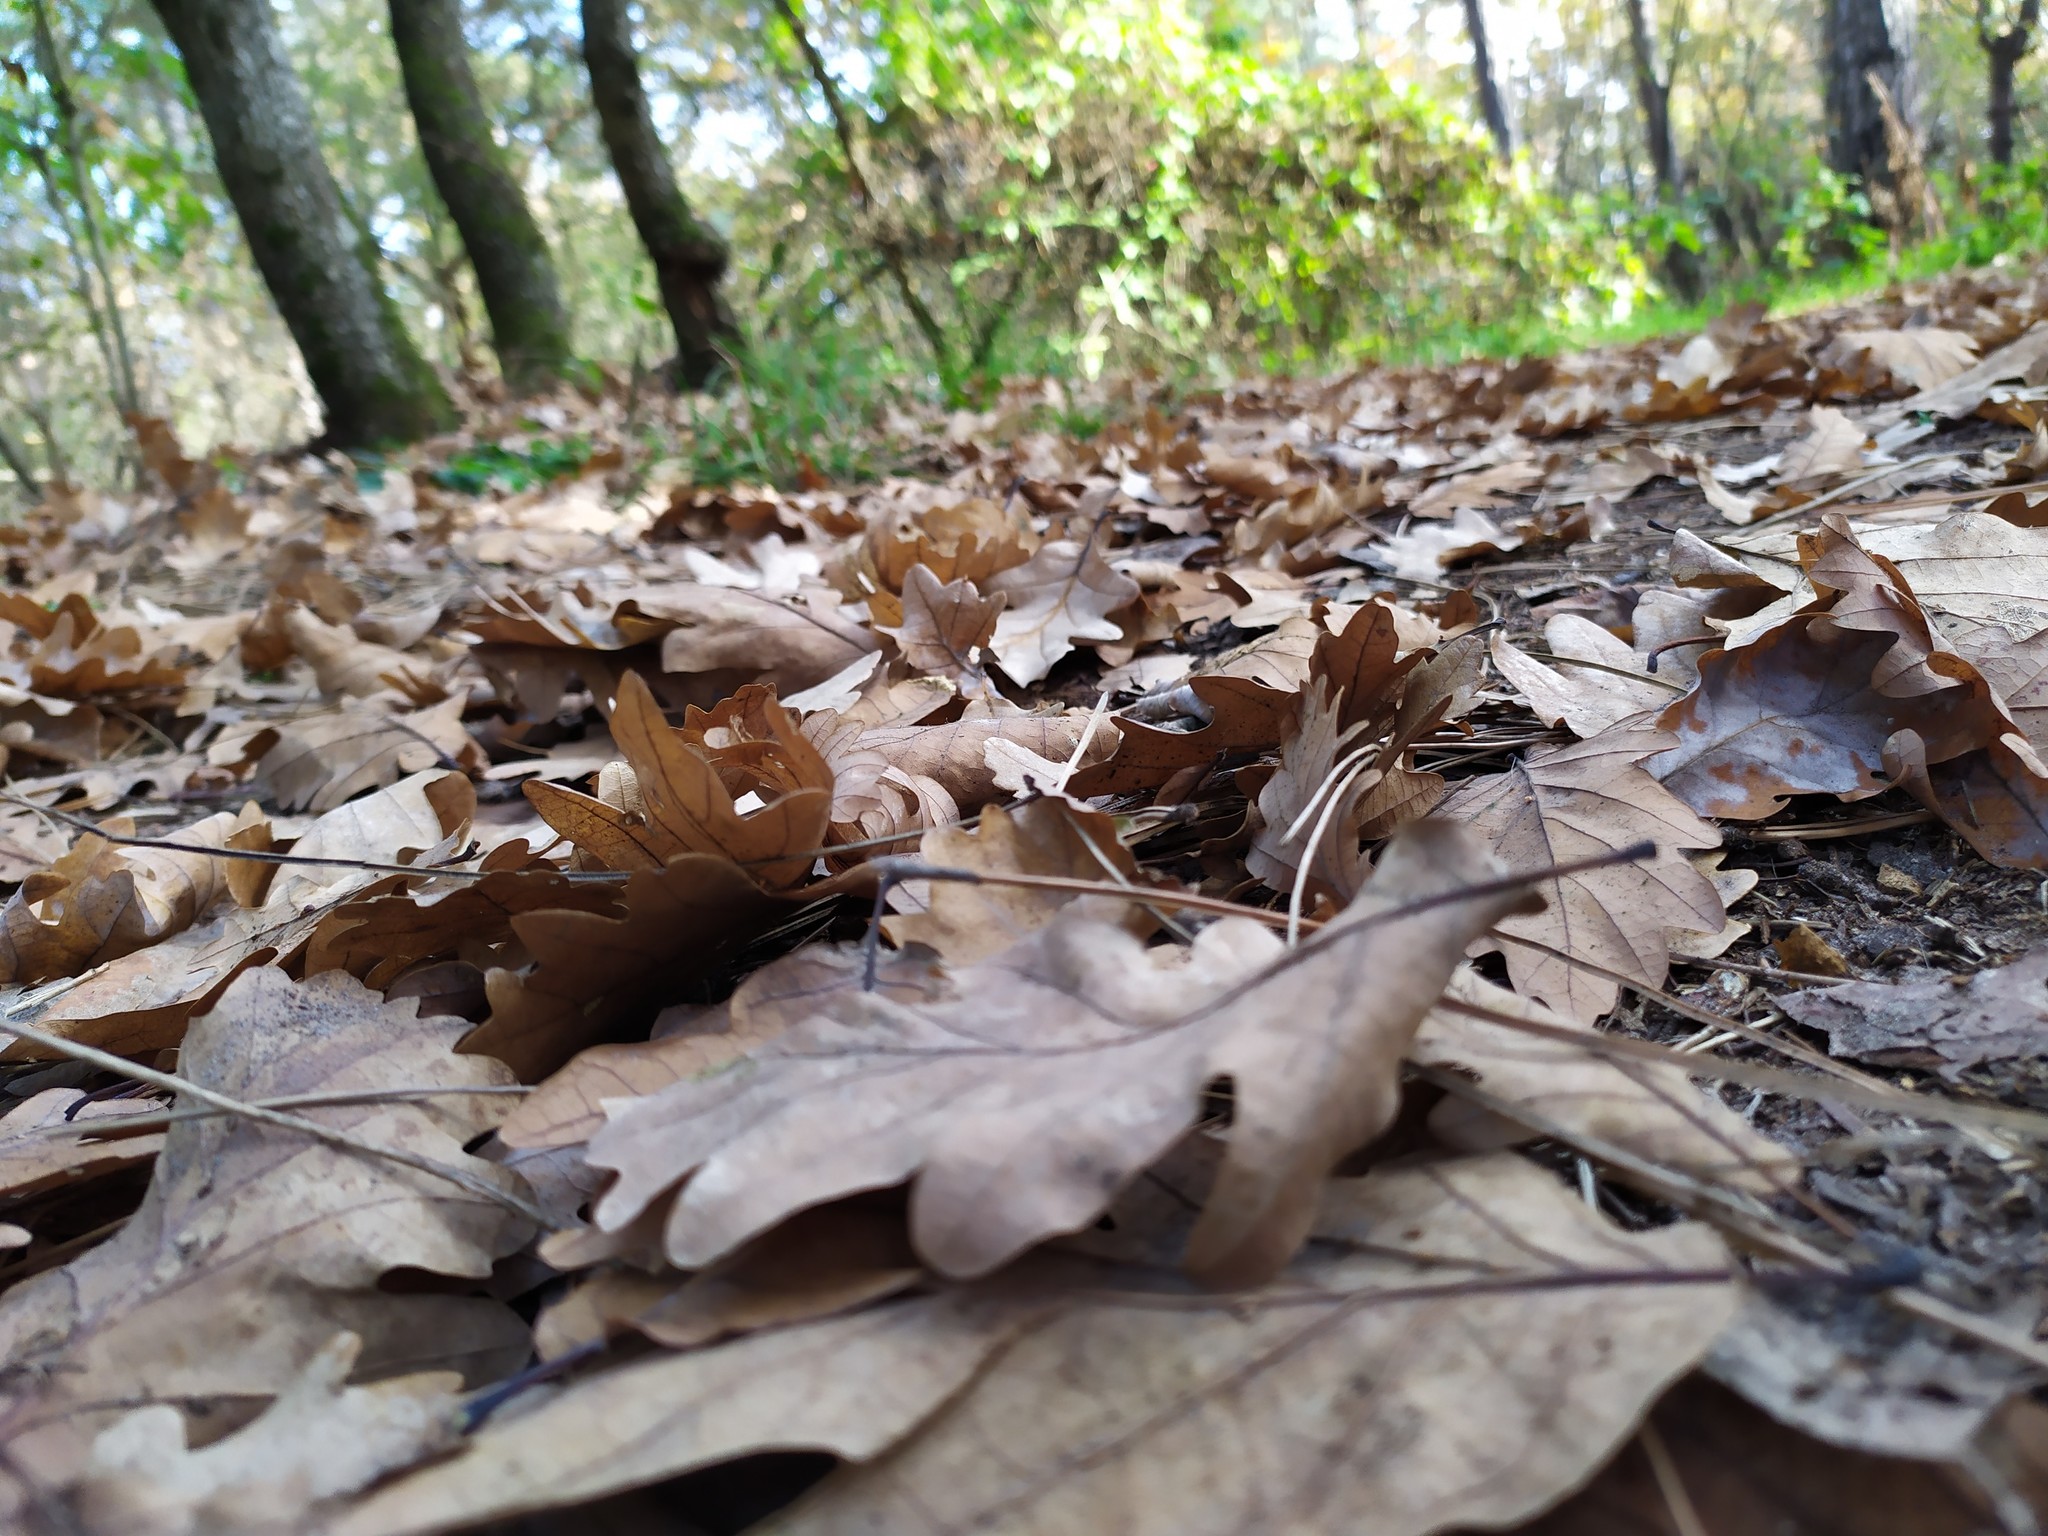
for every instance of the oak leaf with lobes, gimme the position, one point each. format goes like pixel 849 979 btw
pixel 1572 803
pixel 256 1245
pixel 1063 593
pixel 1055 1072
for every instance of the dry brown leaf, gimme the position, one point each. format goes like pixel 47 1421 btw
pixel 1064 593
pixel 1351 1407
pixel 101 901
pixel 1939 1022
pixel 789 645
pixel 1647 1108
pixel 1833 445
pixel 570 1106
pixel 967 922
pixel 1994 799
pixel 1427 550
pixel 319 761
pixel 1570 803
pixel 851 1385
pixel 678 803
pixel 1920 358
pixel 344 663
pixel 254 1247
pixel 1243 715
pixel 2021 359
pixel 38 1154
pixel 1794 712
pixel 590 970
pixel 67 653
pixel 1012 1143
pixel 1588 699
pixel 940 626
pixel 1480 490
pixel 317 1441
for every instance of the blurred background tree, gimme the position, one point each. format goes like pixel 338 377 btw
pixel 916 199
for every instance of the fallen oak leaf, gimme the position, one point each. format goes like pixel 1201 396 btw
pixel 679 805
pixel 1369 1387
pixel 253 1248
pixel 345 663
pixel 1559 805
pixel 1064 593
pixel 1006 1143
pixel 317 1441
pixel 939 626
pixel 100 901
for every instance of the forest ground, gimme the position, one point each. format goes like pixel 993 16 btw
pixel 1734 647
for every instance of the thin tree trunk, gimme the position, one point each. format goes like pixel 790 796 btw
pixel 2003 51
pixel 1861 38
pixel 1491 107
pixel 1653 97
pixel 15 457
pixel 688 255
pixel 51 64
pixel 514 273
pixel 372 382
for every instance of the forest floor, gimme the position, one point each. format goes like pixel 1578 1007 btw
pixel 1457 948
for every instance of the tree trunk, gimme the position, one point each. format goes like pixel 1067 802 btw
pixel 1653 97
pixel 15 457
pixel 1490 106
pixel 514 273
pixel 2004 50
pixel 1860 38
pixel 373 384
pixel 689 258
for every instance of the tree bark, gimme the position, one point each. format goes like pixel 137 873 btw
pixel 1860 38
pixel 1490 105
pixel 15 457
pixel 1653 97
pixel 2003 51
pixel 373 384
pixel 688 255
pixel 514 272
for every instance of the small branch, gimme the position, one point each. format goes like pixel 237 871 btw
pixel 170 1082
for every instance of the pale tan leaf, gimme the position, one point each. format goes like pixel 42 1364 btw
pixel 967 922
pixel 1377 1401
pixel 1833 445
pixel 1647 1108
pixel 255 1246
pixel 101 901
pixel 942 625
pixel 1570 803
pixel 1588 699
pixel 1063 594
pixel 1012 1142
pixel 345 663
pixel 318 1440
pixel 1920 358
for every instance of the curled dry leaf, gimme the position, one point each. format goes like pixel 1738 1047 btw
pixel 1239 714
pixel 101 901
pixel 1833 445
pixel 1920 358
pixel 1588 699
pixel 345 663
pixel 38 1153
pixel 589 970
pixel 319 761
pixel 1091 1057
pixel 1576 802
pixel 255 1246
pixel 789 645
pixel 1795 712
pixel 677 802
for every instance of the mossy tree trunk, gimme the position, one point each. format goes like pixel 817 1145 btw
pixel 373 384
pixel 514 272
pixel 689 258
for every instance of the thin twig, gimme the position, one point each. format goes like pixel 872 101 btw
pixel 170 1082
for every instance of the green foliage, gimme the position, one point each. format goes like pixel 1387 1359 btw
pixel 496 465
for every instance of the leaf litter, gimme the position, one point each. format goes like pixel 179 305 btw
pixel 1261 970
